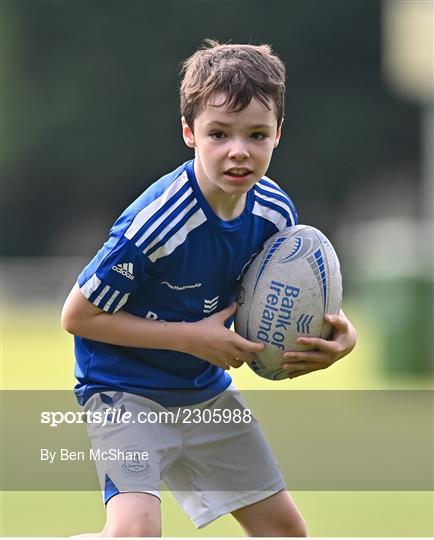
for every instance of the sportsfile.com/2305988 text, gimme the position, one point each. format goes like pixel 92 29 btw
pixel 113 415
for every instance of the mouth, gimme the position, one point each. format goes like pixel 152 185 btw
pixel 238 172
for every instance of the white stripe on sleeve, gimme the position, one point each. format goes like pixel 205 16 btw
pixel 123 301
pixel 101 295
pixel 171 225
pixel 90 286
pixel 107 305
pixel 143 216
pixel 156 224
pixel 177 239
pixel 270 215
pixel 277 202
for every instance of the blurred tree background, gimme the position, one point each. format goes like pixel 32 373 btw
pixel 90 118
pixel 90 109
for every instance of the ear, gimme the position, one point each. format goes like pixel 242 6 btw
pixel 278 134
pixel 187 134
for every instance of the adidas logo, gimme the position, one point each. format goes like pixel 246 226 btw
pixel 125 269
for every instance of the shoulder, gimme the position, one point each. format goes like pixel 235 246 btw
pixel 274 204
pixel 165 214
pixel 169 187
pixel 166 192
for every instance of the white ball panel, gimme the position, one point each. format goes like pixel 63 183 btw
pixel 289 287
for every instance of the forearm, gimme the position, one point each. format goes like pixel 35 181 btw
pixel 207 339
pixel 128 330
pixel 81 318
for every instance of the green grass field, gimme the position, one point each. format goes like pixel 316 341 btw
pixel 37 354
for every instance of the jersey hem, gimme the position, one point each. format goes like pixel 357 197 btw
pixel 168 397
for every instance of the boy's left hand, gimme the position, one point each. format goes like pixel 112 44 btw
pixel 326 352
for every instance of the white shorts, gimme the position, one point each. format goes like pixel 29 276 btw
pixel 214 462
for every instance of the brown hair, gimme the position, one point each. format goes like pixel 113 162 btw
pixel 242 72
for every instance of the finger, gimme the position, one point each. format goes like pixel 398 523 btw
pixel 246 346
pixel 226 313
pixel 244 357
pixel 295 372
pixel 305 356
pixel 302 367
pixel 225 364
pixel 236 363
pixel 338 321
pixel 316 343
pixel 308 366
pixel 235 360
pixel 229 312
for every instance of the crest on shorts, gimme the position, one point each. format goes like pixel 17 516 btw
pixel 133 464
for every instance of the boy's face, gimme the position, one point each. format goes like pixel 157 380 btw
pixel 233 149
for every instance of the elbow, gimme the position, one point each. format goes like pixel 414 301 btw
pixel 78 314
pixel 69 322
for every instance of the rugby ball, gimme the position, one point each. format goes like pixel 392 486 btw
pixel 284 294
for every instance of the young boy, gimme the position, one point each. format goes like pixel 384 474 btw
pixel 151 312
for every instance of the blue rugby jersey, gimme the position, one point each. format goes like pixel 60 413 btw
pixel 170 257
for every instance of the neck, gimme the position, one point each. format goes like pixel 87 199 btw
pixel 228 207
pixel 225 205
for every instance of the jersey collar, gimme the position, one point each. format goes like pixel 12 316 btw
pixel 209 212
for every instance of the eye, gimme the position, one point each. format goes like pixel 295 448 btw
pixel 217 135
pixel 258 136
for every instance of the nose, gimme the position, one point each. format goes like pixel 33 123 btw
pixel 238 150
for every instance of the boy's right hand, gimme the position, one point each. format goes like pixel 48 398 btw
pixel 210 340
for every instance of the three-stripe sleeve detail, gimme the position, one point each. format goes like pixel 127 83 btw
pixel 149 218
pixel 273 204
pixel 165 223
pixel 270 215
pixel 102 295
pixel 266 182
pixel 177 235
